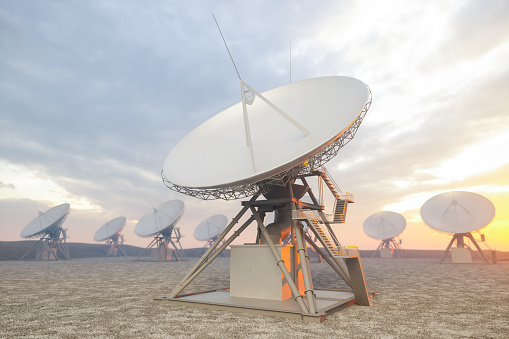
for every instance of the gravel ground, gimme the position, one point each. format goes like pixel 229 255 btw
pixel 112 297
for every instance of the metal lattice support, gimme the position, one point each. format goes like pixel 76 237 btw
pixel 281 179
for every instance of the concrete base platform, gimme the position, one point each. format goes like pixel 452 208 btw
pixel 327 302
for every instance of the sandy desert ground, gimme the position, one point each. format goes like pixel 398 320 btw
pixel 112 297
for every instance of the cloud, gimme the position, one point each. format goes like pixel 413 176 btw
pixel 9 186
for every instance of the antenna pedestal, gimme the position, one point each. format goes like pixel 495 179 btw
pixel 389 248
pixel 462 253
pixel 50 246
pixel 115 248
pixel 164 245
pixel 287 290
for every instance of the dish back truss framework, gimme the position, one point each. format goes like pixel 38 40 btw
pixel 304 301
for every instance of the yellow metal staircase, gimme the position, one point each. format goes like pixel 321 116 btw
pixel 315 222
pixel 325 237
pixel 342 201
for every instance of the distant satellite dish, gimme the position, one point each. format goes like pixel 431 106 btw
pixel 111 229
pixel 384 225
pixel 286 131
pixel 210 228
pixel 160 218
pixel 110 232
pixel 46 222
pixel 160 223
pixel 48 226
pixel 457 212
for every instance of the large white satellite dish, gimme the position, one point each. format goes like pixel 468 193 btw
pixel 260 146
pixel 285 129
pixel 459 213
pixel 48 226
pixel 160 222
pixel 110 232
pixel 385 226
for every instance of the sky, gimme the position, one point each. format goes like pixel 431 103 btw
pixel 94 95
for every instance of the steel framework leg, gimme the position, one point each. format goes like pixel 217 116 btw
pixel 448 248
pixel 377 249
pixel 304 258
pixel 471 237
pixel 201 265
pixel 146 248
pixel 32 248
pixel 280 262
pixel 182 284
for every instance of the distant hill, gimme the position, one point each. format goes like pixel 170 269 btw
pixel 13 250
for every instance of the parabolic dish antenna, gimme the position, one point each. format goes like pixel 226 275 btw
pixel 210 227
pixel 269 137
pixel 384 225
pixel 47 221
pixel 48 226
pixel 160 218
pixel 457 212
pixel 160 223
pixel 271 140
pixel 111 229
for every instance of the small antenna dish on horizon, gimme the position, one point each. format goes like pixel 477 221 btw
pixel 110 232
pixel 48 226
pixel 209 229
pixel 459 213
pixel 160 222
pixel 385 226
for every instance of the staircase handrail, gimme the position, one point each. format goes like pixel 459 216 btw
pixel 334 184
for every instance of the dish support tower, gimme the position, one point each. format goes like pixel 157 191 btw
pixel 298 298
pixel 160 246
pixel 50 245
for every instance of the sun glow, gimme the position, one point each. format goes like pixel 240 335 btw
pixel 484 156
